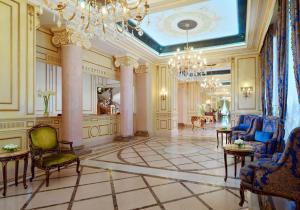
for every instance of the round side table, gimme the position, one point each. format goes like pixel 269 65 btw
pixel 236 151
pixel 5 157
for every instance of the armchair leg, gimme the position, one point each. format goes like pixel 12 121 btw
pixel 58 168
pixel 242 194
pixel 32 171
pixel 77 167
pixel 47 177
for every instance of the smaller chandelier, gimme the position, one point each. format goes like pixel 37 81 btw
pixel 210 84
pixel 189 64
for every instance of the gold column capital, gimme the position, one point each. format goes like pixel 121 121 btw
pixel 142 69
pixel 126 61
pixel 64 36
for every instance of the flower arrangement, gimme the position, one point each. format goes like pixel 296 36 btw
pixel 46 96
pixel 239 142
pixel 10 147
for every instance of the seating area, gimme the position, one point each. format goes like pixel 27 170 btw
pixel 149 105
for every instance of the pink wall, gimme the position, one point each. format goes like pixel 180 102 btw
pixel 142 101
pixel 182 106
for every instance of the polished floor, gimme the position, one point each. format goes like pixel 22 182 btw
pixel 182 173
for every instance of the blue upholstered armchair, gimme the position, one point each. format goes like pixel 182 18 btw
pixel 264 135
pixel 243 126
pixel 277 176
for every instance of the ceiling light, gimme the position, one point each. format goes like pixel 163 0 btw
pixel 188 64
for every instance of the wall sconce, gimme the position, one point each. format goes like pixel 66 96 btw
pixel 246 91
pixel 163 94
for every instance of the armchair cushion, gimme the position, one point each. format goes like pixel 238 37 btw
pixel 243 127
pixel 57 159
pixel 263 136
pixel 44 138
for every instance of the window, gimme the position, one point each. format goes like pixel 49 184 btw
pixel 293 107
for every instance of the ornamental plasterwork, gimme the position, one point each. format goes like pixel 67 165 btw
pixel 66 36
pixel 141 69
pixel 126 61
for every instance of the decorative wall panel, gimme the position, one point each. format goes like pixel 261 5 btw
pixel 166 109
pixel 10 55
pixel 245 73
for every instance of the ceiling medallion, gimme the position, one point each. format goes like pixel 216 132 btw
pixel 93 17
pixel 188 65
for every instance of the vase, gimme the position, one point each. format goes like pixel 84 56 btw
pixel 46 112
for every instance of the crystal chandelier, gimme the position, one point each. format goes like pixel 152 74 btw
pixel 189 64
pixel 210 84
pixel 93 17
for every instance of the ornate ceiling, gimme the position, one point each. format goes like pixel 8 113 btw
pixel 218 23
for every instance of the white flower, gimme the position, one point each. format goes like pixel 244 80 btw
pixel 10 146
pixel 239 141
pixel 46 93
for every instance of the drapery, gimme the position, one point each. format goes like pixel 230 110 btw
pixel 263 82
pixel 282 59
pixel 295 23
pixel 267 72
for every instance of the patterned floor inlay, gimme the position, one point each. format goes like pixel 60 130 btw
pixel 184 173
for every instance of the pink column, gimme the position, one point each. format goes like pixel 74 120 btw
pixel 126 100
pixel 72 94
pixel 143 103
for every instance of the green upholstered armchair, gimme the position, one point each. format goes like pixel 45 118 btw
pixel 46 152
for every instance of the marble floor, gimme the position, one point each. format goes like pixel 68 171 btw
pixel 179 173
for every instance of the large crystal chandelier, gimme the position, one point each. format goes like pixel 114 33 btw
pixel 94 17
pixel 189 64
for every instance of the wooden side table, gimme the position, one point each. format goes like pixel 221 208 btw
pixel 236 151
pixel 228 135
pixel 5 157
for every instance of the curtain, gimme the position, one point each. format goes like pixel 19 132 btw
pixel 295 23
pixel 263 82
pixel 267 72
pixel 282 59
